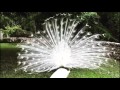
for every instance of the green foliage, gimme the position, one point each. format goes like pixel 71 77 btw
pixel 21 33
pixel 89 16
pixel 103 22
pixel 21 23
pixel 5 20
pixel 111 22
pixel 11 29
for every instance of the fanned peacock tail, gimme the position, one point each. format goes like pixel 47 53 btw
pixel 61 44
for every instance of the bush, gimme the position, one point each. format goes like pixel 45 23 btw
pixel 21 33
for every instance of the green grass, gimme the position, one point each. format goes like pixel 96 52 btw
pixel 8 45
pixel 8 64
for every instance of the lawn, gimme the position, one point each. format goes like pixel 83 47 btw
pixel 8 63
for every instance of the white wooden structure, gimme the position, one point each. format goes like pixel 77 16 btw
pixel 1 35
